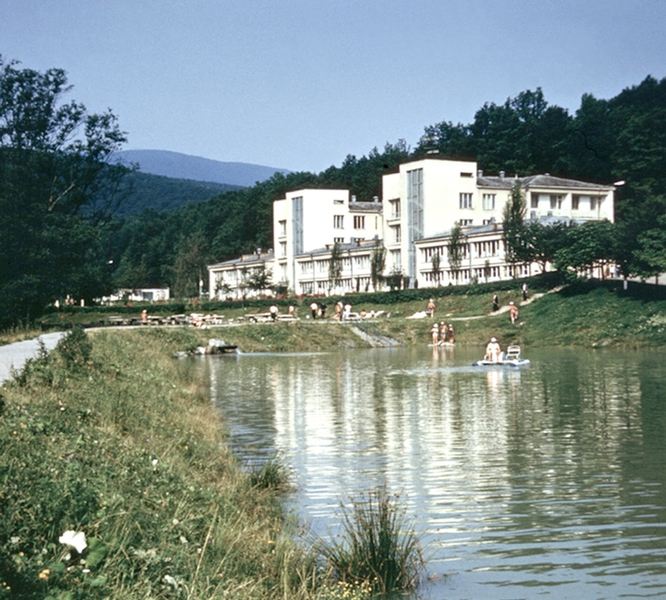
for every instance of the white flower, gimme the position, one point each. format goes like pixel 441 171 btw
pixel 75 539
pixel 154 462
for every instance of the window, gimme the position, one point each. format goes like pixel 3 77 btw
pixel 488 201
pixel 338 222
pixel 359 222
pixel 283 249
pixel 282 226
pixel 338 201
pixel 465 200
pixel 395 208
pixel 396 259
pixel 396 233
pixel 465 222
pixel 534 201
pixel 465 174
pixel 338 240
pixel 575 201
pixel 555 202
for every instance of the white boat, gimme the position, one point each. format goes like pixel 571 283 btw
pixel 512 358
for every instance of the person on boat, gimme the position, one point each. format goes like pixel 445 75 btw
pixel 493 350
pixel 513 312
pixel 451 335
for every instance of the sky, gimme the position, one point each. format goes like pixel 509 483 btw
pixel 301 84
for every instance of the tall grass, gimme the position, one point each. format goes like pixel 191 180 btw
pixel 377 549
pixel 118 442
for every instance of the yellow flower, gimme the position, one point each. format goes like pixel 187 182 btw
pixel 45 574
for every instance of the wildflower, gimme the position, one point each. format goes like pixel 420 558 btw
pixel 44 574
pixel 14 539
pixel 75 539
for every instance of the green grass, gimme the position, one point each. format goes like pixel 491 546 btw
pixel 119 441
pixel 377 549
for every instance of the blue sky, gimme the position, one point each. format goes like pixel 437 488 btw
pixel 299 84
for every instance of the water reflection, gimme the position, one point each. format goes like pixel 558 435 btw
pixel 547 480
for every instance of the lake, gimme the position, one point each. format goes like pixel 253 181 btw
pixel 544 481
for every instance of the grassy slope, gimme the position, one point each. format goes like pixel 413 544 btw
pixel 123 445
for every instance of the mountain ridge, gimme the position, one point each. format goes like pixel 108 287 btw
pixel 177 165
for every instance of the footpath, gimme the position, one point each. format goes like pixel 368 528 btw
pixel 14 356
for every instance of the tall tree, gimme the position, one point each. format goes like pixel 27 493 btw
pixel 456 247
pixel 335 266
pixel 514 233
pixel 377 264
pixel 57 186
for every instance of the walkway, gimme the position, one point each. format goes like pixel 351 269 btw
pixel 14 356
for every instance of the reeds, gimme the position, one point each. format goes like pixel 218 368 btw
pixel 377 548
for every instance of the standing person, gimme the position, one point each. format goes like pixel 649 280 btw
pixel 524 292
pixel 452 335
pixel 273 310
pixel 493 350
pixel 313 309
pixel 322 310
pixel 443 333
pixel 431 308
pixel 435 334
pixel 495 303
pixel 513 312
pixel 292 311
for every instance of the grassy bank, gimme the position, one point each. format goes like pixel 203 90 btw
pixel 591 314
pixel 118 441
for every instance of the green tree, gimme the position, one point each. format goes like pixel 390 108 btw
pixel 57 188
pixel 588 247
pixel 335 266
pixel 514 233
pixel 436 262
pixel 377 264
pixel 261 279
pixel 456 247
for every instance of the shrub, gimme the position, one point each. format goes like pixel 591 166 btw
pixel 377 548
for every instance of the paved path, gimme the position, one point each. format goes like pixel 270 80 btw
pixel 14 356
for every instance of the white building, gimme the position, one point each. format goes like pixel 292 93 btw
pixel 426 197
pixel 422 201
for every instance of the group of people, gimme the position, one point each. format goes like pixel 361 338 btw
pixel 443 334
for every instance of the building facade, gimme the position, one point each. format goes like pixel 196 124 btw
pixel 421 203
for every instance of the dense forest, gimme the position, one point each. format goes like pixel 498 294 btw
pixel 67 214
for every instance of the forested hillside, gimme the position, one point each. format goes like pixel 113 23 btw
pixel 65 232
pixel 605 141
pixel 145 191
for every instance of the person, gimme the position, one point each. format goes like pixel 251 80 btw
pixel 314 307
pixel 493 350
pixel 452 335
pixel 338 311
pixel 431 308
pixel 435 334
pixel 322 310
pixel 524 292
pixel 292 311
pixel 495 303
pixel 513 312
pixel 347 312
pixel 274 312
pixel 443 333
pixel 144 316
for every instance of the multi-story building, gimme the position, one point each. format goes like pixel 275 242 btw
pixel 422 201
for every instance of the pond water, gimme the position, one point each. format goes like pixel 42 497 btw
pixel 545 481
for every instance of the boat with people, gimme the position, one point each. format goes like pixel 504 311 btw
pixel 511 358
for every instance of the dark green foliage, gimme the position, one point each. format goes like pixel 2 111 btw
pixel 147 191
